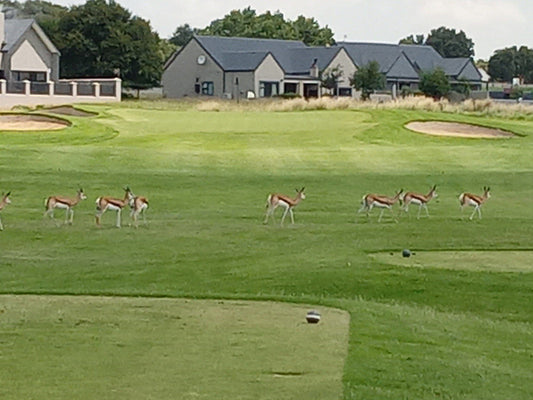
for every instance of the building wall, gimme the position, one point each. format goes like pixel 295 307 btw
pixel 343 60
pixel 181 76
pixel 246 83
pixel 32 55
pixel 268 71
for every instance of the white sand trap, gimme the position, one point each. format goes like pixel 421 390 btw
pixel 456 129
pixel 21 122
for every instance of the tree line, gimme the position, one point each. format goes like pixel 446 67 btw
pixel 102 38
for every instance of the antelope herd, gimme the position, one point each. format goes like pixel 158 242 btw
pixel 139 204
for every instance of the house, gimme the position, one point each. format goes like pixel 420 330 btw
pixel 26 53
pixel 234 67
pixel 244 67
pixel 403 64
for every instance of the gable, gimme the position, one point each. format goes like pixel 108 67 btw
pixel 470 72
pixel 402 69
pixel 26 58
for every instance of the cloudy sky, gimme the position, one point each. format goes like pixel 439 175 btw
pixel 491 24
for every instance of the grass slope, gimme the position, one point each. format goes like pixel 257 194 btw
pixel 426 332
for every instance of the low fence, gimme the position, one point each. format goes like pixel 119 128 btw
pixel 70 91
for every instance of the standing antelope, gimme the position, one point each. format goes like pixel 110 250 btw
pixel 274 200
pixel 110 203
pixel 370 201
pixel 66 203
pixel 4 202
pixel 420 199
pixel 138 205
pixel 469 199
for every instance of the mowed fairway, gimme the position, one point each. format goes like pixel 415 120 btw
pixel 427 328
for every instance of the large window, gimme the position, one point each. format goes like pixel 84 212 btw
pixel 30 76
pixel 208 88
pixel 268 89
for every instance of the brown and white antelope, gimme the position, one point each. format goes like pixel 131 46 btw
pixel 66 203
pixel 275 200
pixel 469 199
pixel 419 199
pixel 138 205
pixel 371 200
pixel 4 202
pixel 113 204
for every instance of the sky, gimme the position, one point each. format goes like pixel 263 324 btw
pixel 491 24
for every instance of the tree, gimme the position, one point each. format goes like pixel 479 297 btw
pixel 449 43
pixel 502 64
pixel 511 62
pixel 411 39
pixel 182 35
pixel 435 83
pixel 330 78
pixel 247 23
pixel 368 79
pixel 100 38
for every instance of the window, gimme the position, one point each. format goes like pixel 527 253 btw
pixel 30 76
pixel 268 89
pixel 343 91
pixel 291 87
pixel 208 88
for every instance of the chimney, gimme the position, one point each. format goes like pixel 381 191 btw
pixel 314 69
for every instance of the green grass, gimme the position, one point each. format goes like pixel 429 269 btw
pixel 123 348
pixel 424 332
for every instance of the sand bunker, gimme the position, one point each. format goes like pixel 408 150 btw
pixel 24 122
pixel 456 129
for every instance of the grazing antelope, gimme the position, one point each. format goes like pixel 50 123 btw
pixel 138 205
pixel 469 199
pixel 110 203
pixel 4 202
pixel 370 201
pixel 420 199
pixel 66 203
pixel 274 200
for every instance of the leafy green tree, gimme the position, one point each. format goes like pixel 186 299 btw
pixel 435 83
pixel 182 35
pixel 450 43
pixel 101 38
pixel 368 79
pixel 309 31
pixel 524 64
pixel 412 39
pixel 506 64
pixel 502 64
pixel 247 23
pixel 330 78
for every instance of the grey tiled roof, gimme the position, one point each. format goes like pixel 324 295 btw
pixel 218 46
pixel 396 61
pixel 14 29
pixel 241 60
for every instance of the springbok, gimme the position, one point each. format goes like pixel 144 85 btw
pixel 469 199
pixel 138 205
pixel 66 203
pixel 421 200
pixel 275 199
pixel 4 202
pixel 371 200
pixel 110 203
